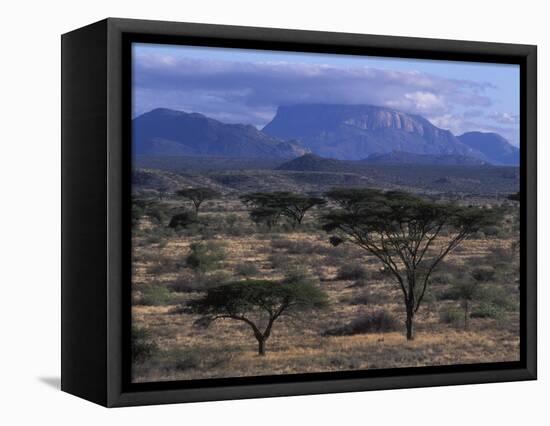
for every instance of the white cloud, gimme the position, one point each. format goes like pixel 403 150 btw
pixel 250 92
pixel 503 117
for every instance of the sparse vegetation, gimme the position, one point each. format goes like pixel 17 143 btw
pixel 179 260
pixel 183 220
pixel 205 257
pixel 352 271
pixel 197 196
pixel 270 206
pixel 258 304
pixel 155 295
pixel 380 321
pixel 143 347
pixel 402 231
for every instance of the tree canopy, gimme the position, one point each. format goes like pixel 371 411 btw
pixel 268 207
pixel 408 234
pixel 197 195
pixel 258 303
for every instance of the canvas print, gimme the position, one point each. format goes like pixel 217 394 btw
pixel 306 213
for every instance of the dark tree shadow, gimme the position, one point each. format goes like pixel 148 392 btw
pixel 54 382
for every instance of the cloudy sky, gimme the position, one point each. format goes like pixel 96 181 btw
pixel 247 86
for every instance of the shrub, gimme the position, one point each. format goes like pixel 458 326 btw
pixel 500 296
pixel 155 295
pixel 352 271
pixel 360 299
pixel 500 256
pixel 231 219
pixel 185 283
pixel 164 265
pixel 247 269
pixel 448 293
pixel 493 231
pixel 429 300
pixel 380 321
pixel 183 220
pixel 297 247
pixel 279 261
pixel 157 213
pixel 451 315
pixel 205 256
pixel 487 310
pixel 214 279
pixel 483 273
pixel 187 360
pixel 441 278
pixel 142 345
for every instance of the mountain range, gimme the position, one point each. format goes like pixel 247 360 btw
pixel 163 132
pixel 376 135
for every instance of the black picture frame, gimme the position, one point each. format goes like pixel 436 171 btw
pixel 96 254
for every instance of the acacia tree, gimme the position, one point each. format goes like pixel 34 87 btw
pixel 409 235
pixel 281 203
pixel 197 195
pixel 466 289
pixel 258 303
pixel 266 215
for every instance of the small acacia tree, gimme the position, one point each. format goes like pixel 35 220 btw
pixel 197 195
pixel 466 290
pixel 258 303
pixel 409 235
pixel 281 203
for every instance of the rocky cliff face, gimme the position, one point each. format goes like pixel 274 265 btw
pixel 355 131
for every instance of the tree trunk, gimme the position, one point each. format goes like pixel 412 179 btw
pixel 410 322
pixel 261 346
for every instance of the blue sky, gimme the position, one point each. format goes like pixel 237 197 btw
pixel 247 86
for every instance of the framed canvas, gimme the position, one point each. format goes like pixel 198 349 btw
pixel 254 212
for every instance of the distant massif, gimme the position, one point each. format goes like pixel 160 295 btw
pixel 318 132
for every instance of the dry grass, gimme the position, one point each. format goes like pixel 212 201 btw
pixel 228 349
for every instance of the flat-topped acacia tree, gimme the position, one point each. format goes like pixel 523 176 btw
pixel 408 234
pixel 197 196
pixel 258 303
pixel 281 203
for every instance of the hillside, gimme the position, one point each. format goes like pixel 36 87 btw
pixel 164 132
pixel 493 146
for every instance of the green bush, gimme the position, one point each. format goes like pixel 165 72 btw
pixel 352 271
pixel 214 279
pixel 483 273
pixel 279 261
pixel 247 269
pixel 500 296
pixel 380 321
pixel 155 295
pixel 143 347
pixel 451 315
pixel 487 310
pixel 205 257
pixel 185 283
pixel 493 231
pixel 183 220
pixel 441 278
pixel 187 360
